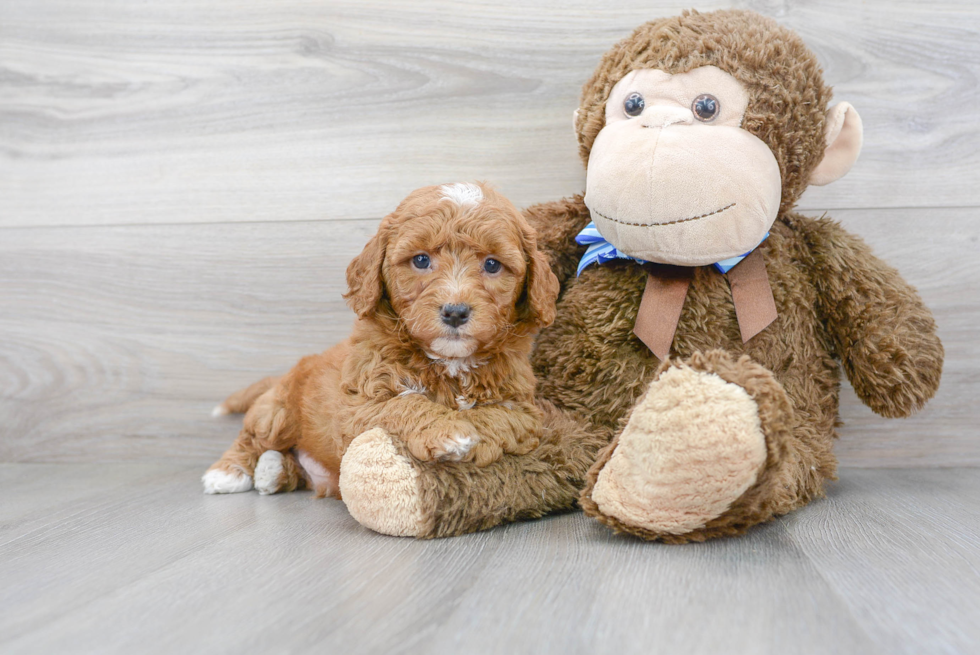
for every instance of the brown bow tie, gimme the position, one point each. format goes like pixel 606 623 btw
pixel 666 289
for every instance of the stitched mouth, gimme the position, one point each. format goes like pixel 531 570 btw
pixel 679 220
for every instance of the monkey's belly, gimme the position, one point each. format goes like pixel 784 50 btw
pixel 590 361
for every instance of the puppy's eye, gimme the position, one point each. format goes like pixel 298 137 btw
pixel 705 107
pixel 421 262
pixel 492 266
pixel 634 104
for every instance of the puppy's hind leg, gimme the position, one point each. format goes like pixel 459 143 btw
pixel 233 472
pixel 265 429
pixel 277 472
pixel 243 399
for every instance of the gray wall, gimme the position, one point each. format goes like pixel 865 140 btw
pixel 183 183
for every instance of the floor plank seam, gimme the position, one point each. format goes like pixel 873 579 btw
pixel 834 589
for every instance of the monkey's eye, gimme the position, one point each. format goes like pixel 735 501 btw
pixel 491 266
pixel 633 106
pixel 420 262
pixel 705 107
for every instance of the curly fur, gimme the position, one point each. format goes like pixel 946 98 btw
pixel 837 305
pixel 464 393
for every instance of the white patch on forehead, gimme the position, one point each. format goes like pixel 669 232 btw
pixel 464 194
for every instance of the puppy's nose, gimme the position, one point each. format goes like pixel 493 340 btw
pixel 455 314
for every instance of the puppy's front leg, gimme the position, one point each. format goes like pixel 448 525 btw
pixel 430 430
pixel 510 427
pixel 452 438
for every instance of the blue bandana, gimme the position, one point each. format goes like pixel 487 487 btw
pixel 601 251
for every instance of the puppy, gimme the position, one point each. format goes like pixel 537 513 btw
pixel 448 296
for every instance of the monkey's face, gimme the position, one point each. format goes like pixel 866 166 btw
pixel 673 178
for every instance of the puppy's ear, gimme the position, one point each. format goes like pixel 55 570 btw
pixel 365 285
pixel 536 307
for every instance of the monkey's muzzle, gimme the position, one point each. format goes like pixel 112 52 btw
pixel 688 195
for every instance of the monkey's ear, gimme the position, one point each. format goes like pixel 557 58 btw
pixel 364 280
pixel 845 134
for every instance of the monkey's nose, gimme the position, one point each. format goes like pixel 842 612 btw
pixel 455 314
pixel 665 115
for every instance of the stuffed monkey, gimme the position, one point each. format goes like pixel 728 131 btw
pixel 690 382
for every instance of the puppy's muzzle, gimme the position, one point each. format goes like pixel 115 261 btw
pixel 455 315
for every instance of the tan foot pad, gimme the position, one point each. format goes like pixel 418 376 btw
pixel 380 486
pixel 692 447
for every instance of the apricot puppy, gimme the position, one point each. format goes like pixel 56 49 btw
pixel 448 295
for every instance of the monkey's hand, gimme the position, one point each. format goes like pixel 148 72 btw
pixel 884 334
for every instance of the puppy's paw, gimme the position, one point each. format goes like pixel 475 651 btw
pixel 218 481
pixel 486 452
pixel 451 441
pixel 268 472
pixel 456 448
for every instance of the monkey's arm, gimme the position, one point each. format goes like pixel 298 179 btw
pixel 557 223
pixel 884 334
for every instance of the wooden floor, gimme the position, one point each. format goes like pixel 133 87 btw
pixel 133 558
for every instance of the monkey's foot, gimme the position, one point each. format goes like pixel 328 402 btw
pixel 692 452
pixel 379 483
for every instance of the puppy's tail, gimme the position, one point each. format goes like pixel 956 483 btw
pixel 241 400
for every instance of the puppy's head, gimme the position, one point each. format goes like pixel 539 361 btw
pixel 459 265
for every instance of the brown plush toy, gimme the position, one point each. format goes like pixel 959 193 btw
pixel 683 403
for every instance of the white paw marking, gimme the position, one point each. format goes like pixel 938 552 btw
pixel 217 481
pixel 268 472
pixel 463 404
pixel 458 447
pixel 464 194
pixel 219 410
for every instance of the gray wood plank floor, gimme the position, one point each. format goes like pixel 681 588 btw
pixel 133 558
